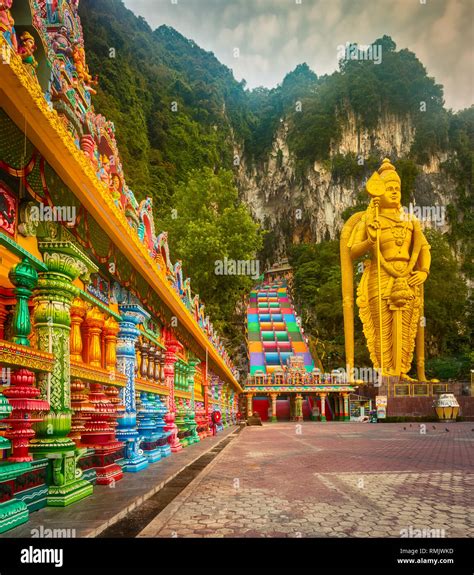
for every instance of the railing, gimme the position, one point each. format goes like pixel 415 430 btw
pixel 279 378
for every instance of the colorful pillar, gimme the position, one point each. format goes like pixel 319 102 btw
pixel 249 405
pixel 273 397
pixel 53 298
pixel 147 426
pixel 12 511
pixel 322 397
pixel 22 393
pixel 172 346
pixel 192 363
pixel 161 411
pixel 346 416
pixel 299 407
pixel 224 405
pixel 132 315
pixel 205 391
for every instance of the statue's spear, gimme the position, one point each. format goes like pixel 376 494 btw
pixel 375 187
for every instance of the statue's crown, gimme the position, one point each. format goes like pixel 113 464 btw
pixel 387 171
pixel 26 36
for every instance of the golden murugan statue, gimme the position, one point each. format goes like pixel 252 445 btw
pixel 390 293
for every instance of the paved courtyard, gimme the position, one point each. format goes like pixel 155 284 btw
pixel 331 480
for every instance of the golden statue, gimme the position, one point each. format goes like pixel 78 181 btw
pixel 390 293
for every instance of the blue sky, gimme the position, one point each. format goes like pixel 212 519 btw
pixel 273 36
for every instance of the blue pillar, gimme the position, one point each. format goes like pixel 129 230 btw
pixel 147 413
pixel 132 315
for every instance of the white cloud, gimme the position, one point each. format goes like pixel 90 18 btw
pixel 276 35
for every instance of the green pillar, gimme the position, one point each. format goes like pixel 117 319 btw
pixel 53 298
pixel 347 415
pixel 25 278
pixel 181 414
pixel 192 425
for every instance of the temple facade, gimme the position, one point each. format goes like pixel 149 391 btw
pixel 108 361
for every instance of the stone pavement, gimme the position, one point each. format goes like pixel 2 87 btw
pixel 108 504
pixel 331 480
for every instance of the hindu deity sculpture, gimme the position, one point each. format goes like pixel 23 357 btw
pixel 390 293
pixel 115 188
pixel 26 50
pixel 7 23
pixel 82 69
pixel 52 11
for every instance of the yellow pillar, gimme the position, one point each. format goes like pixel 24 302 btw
pixel 249 405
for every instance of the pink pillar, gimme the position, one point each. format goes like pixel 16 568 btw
pixel 172 346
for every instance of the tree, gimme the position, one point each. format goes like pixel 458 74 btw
pixel 207 225
pixel 446 310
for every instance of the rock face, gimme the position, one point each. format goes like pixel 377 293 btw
pixel 308 207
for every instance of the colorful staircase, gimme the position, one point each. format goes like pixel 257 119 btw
pixel 273 331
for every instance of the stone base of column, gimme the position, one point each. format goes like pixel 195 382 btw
pixel 64 488
pixel 108 470
pixel 183 430
pixel 64 495
pixel 192 426
pixel 165 448
pixel 274 419
pixel 322 418
pixel 151 450
pixel 12 514
pixel 346 418
pixel 172 430
pixel 134 460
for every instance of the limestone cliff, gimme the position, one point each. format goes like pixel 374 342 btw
pixel 300 207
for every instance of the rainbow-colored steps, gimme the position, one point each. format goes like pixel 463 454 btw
pixel 273 330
